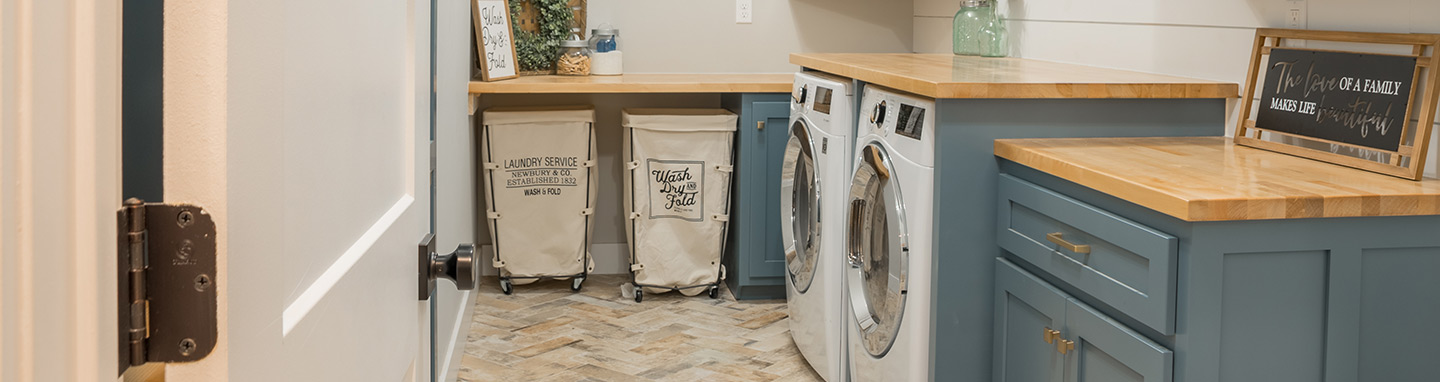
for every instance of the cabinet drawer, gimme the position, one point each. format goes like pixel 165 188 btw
pixel 1120 262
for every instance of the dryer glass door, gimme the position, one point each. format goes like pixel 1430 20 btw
pixel 800 207
pixel 878 251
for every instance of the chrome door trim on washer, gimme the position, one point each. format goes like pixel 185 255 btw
pixel 800 206
pixel 876 282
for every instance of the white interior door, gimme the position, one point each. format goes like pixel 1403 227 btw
pixel 455 209
pixel 303 128
pixel 59 188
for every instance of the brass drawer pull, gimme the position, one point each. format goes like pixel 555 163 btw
pixel 1051 335
pixel 1059 239
pixel 1064 346
pixel 759 125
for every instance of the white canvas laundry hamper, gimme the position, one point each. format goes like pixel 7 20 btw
pixel 538 166
pixel 678 167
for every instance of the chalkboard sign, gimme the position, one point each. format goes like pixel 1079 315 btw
pixel 1353 108
pixel 495 40
pixel 1360 99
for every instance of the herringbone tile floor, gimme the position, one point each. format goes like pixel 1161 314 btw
pixel 545 332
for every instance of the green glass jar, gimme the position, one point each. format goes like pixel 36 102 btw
pixel 993 42
pixel 978 30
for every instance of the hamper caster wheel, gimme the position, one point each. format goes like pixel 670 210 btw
pixel 714 292
pixel 506 288
pixel 575 283
pixel 639 294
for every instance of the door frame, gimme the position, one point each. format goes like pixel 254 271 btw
pixel 59 188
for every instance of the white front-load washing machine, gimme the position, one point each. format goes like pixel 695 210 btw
pixel 887 270
pixel 814 180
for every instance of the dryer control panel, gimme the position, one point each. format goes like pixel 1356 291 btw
pixel 883 113
pixel 904 120
pixel 910 121
pixel 822 99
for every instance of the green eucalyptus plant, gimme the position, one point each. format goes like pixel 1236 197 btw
pixel 537 51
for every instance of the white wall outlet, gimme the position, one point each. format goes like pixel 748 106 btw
pixel 744 11
pixel 1295 11
pixel 1295 14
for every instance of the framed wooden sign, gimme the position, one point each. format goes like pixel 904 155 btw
pixel 494 39
pixel 1372 110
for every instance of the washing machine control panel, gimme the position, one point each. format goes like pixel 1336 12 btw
pixel 822 99
pixel 874 109
pixel 887 114
pixel 910 121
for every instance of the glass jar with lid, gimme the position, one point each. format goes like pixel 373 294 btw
pixel 605 52
pixel 978 30
pixel 573 59
pixel 604 40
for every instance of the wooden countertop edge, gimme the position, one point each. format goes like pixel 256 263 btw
pixel 1202 210
pixel 1133 192
pixel 1160 90
pixel 655 83
pixel 1347 206
pixel 921 86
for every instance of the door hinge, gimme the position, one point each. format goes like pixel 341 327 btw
pixel 166 281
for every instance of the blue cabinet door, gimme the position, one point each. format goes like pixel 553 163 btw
pixel 770 256
pixel 1107 351
pixel 754 256
pixel 1029 317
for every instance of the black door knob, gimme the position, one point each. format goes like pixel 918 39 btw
pixel 458 266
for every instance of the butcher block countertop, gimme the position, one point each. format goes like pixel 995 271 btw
pixel 1211 179
pixel 641 83
pixel 951 76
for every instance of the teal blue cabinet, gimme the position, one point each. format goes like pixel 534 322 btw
pixel 966 191
pixel 1107 351
pixel 1044 335
pixel 754 258
pixel 1283 300
pixel 1028 315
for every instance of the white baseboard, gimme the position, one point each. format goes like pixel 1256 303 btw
pixel 610 259
pixel 454 337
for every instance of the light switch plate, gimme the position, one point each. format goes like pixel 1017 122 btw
pixel 744 11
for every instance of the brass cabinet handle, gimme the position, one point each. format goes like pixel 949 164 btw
pixel 1059 239
pixel 759 125
pixel 1051 335
pixel 1064 346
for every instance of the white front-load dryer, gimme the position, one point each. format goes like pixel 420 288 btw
pixel 814 177
pixel 888 262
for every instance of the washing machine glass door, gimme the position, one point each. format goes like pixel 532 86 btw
pixel 878 252
pixel 800 206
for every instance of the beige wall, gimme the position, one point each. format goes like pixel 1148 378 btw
pixel 1202 39
pixel 701 36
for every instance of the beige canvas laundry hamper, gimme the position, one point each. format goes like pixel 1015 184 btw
pixel 679 166
pixel 538 166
